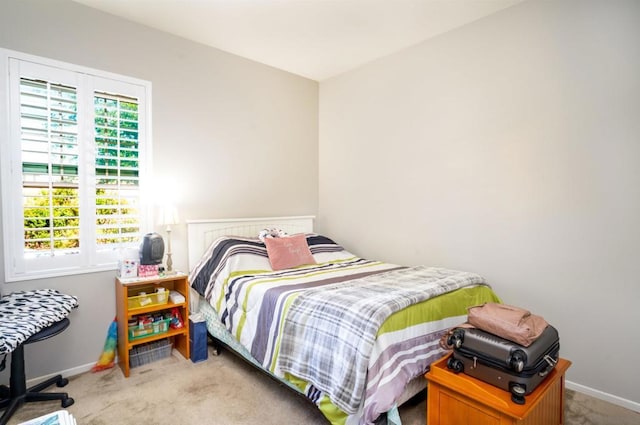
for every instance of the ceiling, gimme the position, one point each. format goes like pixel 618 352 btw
pixel 316 39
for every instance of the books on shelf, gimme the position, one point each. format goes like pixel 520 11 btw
pixel 60 417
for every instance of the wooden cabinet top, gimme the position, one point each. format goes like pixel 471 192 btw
pixel 151 280
pixel 488 394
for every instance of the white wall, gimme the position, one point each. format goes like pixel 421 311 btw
pixel 231 137
pixel 509 147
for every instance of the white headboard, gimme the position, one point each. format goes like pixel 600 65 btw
pixel 202 232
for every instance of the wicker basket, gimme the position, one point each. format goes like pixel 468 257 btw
pixel 149 352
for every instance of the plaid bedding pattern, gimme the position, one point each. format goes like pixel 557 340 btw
pixel 329 332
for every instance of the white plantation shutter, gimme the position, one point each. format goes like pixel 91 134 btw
pixel 73 171
pixel 50 152
pixel 117 170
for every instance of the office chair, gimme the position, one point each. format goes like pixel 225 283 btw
pixel 17 393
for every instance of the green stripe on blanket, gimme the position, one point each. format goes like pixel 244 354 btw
pixel 447 305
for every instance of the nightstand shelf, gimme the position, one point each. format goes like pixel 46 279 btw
pixel 126 288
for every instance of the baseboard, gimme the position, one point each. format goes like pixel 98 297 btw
pixel 65 373
pixel 610 398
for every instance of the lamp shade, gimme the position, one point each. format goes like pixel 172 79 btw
pixel 168 215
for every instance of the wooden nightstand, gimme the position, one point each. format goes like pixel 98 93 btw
pixel 462 400
pixel 127 308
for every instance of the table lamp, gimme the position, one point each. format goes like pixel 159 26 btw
pixel 169 217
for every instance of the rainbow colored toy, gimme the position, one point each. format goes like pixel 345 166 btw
pixel 106 360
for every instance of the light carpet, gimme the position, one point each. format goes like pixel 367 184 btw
pixel 224 390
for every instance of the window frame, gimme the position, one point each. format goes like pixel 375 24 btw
pixel 13 66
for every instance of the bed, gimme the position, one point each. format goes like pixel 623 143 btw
pixel 354 336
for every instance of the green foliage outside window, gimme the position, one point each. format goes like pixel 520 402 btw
pixel 63 206
pixel 60 212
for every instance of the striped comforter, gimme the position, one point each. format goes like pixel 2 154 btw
pixel 279 317
pixel 329 332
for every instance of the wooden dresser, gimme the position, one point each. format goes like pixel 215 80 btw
pixel 462 400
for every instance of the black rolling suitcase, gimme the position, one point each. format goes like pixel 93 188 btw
pixel 504 363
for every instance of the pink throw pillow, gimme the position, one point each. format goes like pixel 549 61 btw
pixel 288 252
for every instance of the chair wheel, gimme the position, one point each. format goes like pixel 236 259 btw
pixel 62 382
pixel 67 402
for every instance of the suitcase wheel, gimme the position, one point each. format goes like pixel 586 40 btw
pixel 455 339
pixel 456 365
pixel 517 360
pixel 517 394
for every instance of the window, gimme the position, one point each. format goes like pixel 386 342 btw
pixel 74 166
